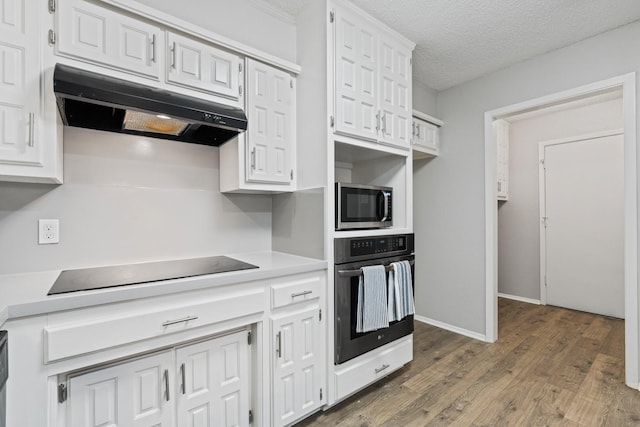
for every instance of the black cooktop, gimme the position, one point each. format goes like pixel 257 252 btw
pixel 85 279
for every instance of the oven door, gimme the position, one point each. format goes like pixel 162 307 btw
pixel 348 342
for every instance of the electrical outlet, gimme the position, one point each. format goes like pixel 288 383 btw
pixel 48 231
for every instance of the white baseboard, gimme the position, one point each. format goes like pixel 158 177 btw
pixel 448 327
pixel 521 299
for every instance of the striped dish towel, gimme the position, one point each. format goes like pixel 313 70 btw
pixel 400 290
pixel 372 299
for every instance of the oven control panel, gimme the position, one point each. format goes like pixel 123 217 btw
pixel 356 248
pixel 378 245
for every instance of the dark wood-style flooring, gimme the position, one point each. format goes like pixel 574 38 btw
pixel 550 367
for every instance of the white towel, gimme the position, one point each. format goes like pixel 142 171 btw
pixel 400 283
pixel 372 299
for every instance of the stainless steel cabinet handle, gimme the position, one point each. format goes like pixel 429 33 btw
pixel 377 121
pixel 183 385
pixel 382 368
pixel 153 48
pixel 418 130
pixel 173 55
pixel 31 140
pixel 279 344
pixel 166 384
pixel 384 124
pixel 184 319
pixel 300 294
pixel 253 158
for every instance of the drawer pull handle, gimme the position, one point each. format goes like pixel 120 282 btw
pixel 183 386
pixel 184 319
pixel 300 294
pixel 166 384
pixel 378 370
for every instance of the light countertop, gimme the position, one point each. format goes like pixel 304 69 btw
pixel 26 294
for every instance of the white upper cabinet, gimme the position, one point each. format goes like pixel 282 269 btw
pixel 263 157
pixel 19 71
pixel 426 135
pixel 29 150
pixel 372 81
pixel 395 93
pixel 272 123
pixel 356 77
pixel 203 67
pixel 89 32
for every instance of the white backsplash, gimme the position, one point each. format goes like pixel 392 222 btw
pixel 129 199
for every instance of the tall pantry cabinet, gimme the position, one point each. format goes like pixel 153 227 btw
pixel 355 101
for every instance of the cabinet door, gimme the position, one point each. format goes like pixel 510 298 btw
pixel 395 94
pixel 271 130
pixel 425 136
pixel 96 34
pixel 19 83
pixel 214 382
pixel 136 394
pixel 297 367
pixel 203 67
pixel 356 76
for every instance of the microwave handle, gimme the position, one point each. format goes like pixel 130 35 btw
pixel 385 212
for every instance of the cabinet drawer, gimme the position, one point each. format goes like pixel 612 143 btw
pixel 123 327
pixel 296 291
pixel 363 372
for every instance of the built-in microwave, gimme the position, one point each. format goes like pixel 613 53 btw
pixel 363 206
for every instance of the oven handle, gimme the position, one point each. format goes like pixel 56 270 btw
pixel 354 273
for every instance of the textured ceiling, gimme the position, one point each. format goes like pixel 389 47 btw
pixel 459 40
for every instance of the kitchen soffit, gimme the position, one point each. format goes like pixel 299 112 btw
pixel 460 40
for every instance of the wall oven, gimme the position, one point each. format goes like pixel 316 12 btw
pixel 363 206
pixel 351 254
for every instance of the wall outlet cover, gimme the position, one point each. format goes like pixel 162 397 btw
pixel 48 231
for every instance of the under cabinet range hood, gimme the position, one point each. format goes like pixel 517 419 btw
pixel 95 101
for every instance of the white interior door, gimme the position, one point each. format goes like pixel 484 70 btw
pixel 582 239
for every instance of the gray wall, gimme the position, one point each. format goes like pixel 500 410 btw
pixel 518 218
pixel 127 199
pixel 450 221
pixel 425 99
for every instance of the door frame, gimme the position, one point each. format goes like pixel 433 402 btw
pixel 628 84
pixel 542 202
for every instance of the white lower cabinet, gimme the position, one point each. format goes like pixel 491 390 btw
pixel 298 365
pixel 214 382
pixel 136 393
pixel 205 384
